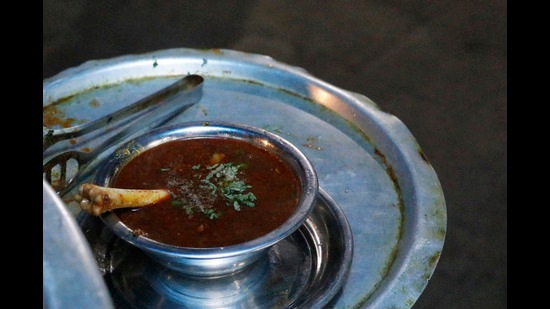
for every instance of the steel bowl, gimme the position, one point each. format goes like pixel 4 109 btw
pixel 219 260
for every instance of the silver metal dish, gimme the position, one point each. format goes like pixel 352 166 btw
pixel 305 270
pixel 219 260
pixel 366 160
pixel 72 273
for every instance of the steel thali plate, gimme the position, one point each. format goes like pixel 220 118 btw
pixel 367 160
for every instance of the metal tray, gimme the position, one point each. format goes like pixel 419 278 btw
pixel 368 162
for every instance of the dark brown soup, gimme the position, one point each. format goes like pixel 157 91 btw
pixel 224 192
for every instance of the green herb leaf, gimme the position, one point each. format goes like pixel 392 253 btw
pixel 211 213
pixel 177 202
pixel 223 179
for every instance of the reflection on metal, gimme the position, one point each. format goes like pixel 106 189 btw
pixel 324 97
pixel 71 278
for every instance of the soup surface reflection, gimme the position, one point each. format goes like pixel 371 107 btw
pixel 224 192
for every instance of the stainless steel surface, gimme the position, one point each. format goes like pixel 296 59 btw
pixel 305 270
pixel 70 274
pixel 366 159
pixel 220 260
pixel 154 110
pixel 123 115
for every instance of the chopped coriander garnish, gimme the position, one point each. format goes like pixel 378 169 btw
pixel 211 213
pixel 188 210
pixel 223 179
pixel 177 202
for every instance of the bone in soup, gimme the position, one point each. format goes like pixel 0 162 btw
pixel 223 192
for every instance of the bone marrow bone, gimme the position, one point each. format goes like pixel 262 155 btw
pixel 96 199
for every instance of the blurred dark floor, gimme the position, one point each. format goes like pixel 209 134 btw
pixel 439 66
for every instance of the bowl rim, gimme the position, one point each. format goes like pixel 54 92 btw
pixel 222 129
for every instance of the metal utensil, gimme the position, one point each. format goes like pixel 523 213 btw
pixel 63 170
pixel 123 115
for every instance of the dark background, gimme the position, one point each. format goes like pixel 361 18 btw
pixel 439 66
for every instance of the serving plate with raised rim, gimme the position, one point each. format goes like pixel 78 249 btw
pixel 367 160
